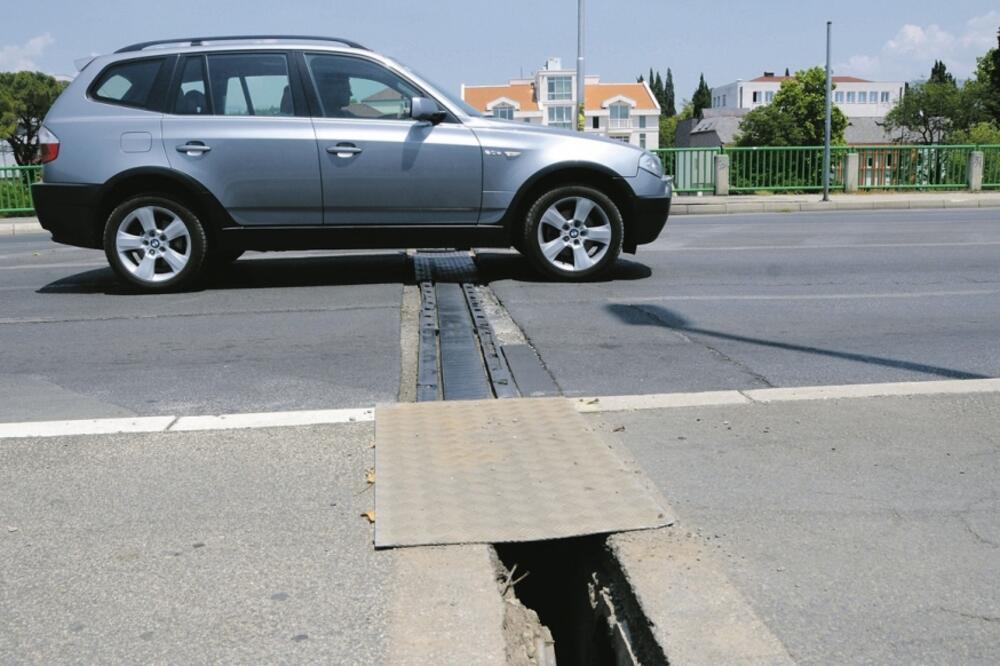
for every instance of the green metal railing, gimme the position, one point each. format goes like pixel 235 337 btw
pixel 693 169
pixel 913 167
pixel 15 188
pixel 783 169
pixel 991 167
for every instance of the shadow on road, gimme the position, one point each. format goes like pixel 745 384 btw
pixel 495 266
pixel 264 272
pixel 655 315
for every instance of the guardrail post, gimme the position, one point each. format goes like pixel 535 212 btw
pixel 851 172
pixel 975 171
pixel 722 175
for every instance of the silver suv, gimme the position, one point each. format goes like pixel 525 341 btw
pixel 171 156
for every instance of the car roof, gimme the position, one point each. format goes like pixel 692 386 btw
pixel 187 43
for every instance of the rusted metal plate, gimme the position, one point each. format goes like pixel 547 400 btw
pixel 488 471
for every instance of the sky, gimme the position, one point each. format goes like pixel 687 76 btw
pixel 479 41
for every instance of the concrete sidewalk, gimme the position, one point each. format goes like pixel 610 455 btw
pixel 685 204
pixel 820 531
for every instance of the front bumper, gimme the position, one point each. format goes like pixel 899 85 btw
pixel 648 217
pixel 68 211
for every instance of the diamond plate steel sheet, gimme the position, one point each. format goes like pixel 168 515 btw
pixel 488 471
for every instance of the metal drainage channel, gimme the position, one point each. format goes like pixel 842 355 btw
pixel 458 356
pixel 585 610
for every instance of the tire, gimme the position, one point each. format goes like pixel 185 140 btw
pixel 155 242
pixel 560 245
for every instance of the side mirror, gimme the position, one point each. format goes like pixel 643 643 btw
pixel 425 109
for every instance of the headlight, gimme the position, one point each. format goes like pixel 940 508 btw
pixel 651 163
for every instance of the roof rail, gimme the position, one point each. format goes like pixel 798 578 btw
pixel 199 41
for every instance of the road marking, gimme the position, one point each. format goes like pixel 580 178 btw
pixel 85 427
pixel 273 419
pixel 614 403
pixel 809 297
pixel 745 248
pixel 618 403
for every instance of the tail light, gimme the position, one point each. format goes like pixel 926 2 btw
pixel 49 145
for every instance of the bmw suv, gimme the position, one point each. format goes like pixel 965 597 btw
pixel 173 156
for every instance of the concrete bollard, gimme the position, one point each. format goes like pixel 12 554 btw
pixel 851 172
pixel 975 171
pixel 722 175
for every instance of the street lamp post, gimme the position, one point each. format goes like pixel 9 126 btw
pixel 579 65
pixel 826 124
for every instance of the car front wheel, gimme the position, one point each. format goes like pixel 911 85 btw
pixel 573 233
pixel 155 243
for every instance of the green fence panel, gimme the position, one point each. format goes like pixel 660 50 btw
pixel 912 167
pixel 15 188
pixel 783 169
pixel 693 169
pixel 991 166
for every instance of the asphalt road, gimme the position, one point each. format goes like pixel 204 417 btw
pixel 738 301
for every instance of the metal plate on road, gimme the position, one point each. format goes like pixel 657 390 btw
pixel 488 471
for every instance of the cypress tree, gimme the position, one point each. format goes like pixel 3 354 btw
pixel 669 108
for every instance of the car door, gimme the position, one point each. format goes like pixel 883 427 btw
pixel 378 165
pixel 240 127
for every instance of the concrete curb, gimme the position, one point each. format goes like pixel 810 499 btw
pixel 20 228
pixel 682 207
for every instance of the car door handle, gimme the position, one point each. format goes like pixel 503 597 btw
pixel 343 150
pixel 193 148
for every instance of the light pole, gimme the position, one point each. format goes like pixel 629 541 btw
pixel 827 119
pixel 579 65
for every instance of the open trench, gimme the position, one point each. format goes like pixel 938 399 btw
pixel 566 601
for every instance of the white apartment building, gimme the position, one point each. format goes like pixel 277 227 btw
pixel 857 98
pixel 624 111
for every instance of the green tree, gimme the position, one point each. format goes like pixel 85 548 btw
pixel 657 87
pixel 796 116
pixel 702 98
pixel 985 86
pixel 927 113
pixel 668 130
pixel 984 132
pixel 668 108
pixel 26 97
pixel 940 74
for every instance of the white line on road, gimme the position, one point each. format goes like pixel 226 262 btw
pixel 614 403
pixel 809 297
pixel 273 419
pixel 856 246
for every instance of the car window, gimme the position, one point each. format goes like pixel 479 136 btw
pixel 128 83
pixel 355 88
pixel 250 84
pixel 190 97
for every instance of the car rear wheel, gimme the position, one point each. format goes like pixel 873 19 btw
pixel 573 233
pixel 155 242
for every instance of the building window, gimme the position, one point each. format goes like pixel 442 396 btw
pixel 503 112
pixel 642 140
pixel 850 97
pixel 723 100
pixel 596 122
pixel 642 122
pixel 769 96
pixel 619 115
pixel 872 97
pixel 885 97
pixel 620 137
pixel 838 97
pixel 560 88
pixel 561 116
pixel 756 96
pixel 862 97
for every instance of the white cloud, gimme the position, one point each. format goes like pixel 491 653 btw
pixel 910 52
pixel 16 58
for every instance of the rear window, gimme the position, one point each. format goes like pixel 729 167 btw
pixel 128 83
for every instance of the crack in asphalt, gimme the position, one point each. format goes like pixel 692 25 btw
pixel 721 355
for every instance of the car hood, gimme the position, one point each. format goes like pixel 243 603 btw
pixel 532 128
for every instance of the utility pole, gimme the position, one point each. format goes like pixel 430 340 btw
pixel 826 127
pixel 579 66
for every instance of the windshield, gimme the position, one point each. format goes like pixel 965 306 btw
pixel 441 90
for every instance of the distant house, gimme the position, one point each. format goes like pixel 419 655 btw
pixel 623 111
pixel 857 98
